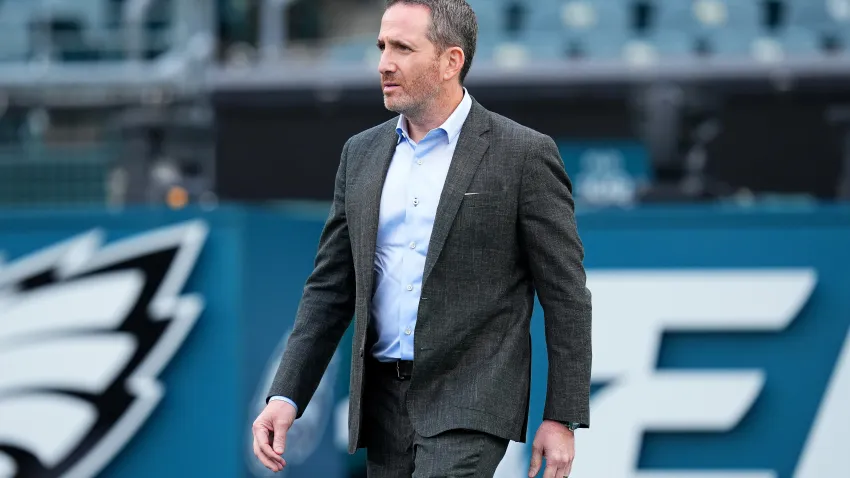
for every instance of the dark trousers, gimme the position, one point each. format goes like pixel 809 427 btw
pixel 395 450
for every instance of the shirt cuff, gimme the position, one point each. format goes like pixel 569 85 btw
pixel 285 399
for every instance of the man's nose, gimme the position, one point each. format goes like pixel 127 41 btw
pixel 386 65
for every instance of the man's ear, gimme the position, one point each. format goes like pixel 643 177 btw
pixel 455 58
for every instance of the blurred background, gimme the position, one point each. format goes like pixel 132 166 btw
pixel 166 167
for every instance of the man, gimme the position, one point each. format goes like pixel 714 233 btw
pixel 444 223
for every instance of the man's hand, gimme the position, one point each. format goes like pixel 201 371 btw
pixel 273 424
pixel 556 443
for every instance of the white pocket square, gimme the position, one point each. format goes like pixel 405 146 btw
pixel 470 194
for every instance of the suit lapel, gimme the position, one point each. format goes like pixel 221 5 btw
pixel 379 158
pixel 469 151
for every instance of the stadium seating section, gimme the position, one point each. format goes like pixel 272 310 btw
pixel 76 30
pixel 644 31
pixel 511 31
pixel 35 169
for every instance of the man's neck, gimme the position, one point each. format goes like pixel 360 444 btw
pixel 419 125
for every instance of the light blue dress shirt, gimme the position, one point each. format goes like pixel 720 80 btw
pixel 408 206
pixel 409 201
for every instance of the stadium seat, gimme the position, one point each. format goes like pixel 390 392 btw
pixel 799 42
pixel 598 44
pixel 75 29
pixel 827 20
pixel 669 32
pixel 818 14
pixel 78 28
pixel 486 46
pixel 674 15
pixel 723 17
pixel 542 45
pixel 660 45
pixel 578 29
pixel 359 50
pixel 490 15
pixel 511 51
pixel 576 15
pixel 546 15
pixel 91 12
pixel 14 36
pixel 609 32
pixel 721 27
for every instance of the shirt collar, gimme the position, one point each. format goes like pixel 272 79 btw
pixel 451 127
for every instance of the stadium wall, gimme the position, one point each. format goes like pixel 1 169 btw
pixel 721 343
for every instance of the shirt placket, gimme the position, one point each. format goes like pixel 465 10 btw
pixel 415 198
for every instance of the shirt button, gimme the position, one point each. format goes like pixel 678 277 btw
pixel 413 245
pixel 409 287
pixel 419 162
pixel 407 331
pixel 415 201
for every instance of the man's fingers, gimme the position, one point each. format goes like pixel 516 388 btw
pixel 536 461
pixel 551 470
pixel 557 467
pixel 270 454
pixel 263 459
pixel 280 430
pixel 562 471
pixel 261 437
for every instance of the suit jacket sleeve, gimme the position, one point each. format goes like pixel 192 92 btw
pixel 555 253
pixel 326 307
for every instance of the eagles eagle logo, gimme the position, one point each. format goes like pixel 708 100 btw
pixel 84 331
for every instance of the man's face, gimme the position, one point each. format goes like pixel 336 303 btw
pixel 410 66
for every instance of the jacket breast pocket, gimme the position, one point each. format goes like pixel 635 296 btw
pixel 484 200
pixel 486 221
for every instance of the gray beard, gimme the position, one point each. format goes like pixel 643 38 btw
pixel 412 111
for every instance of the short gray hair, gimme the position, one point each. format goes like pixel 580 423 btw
pixel 453 23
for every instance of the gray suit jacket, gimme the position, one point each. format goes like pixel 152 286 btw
pixel 489 252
